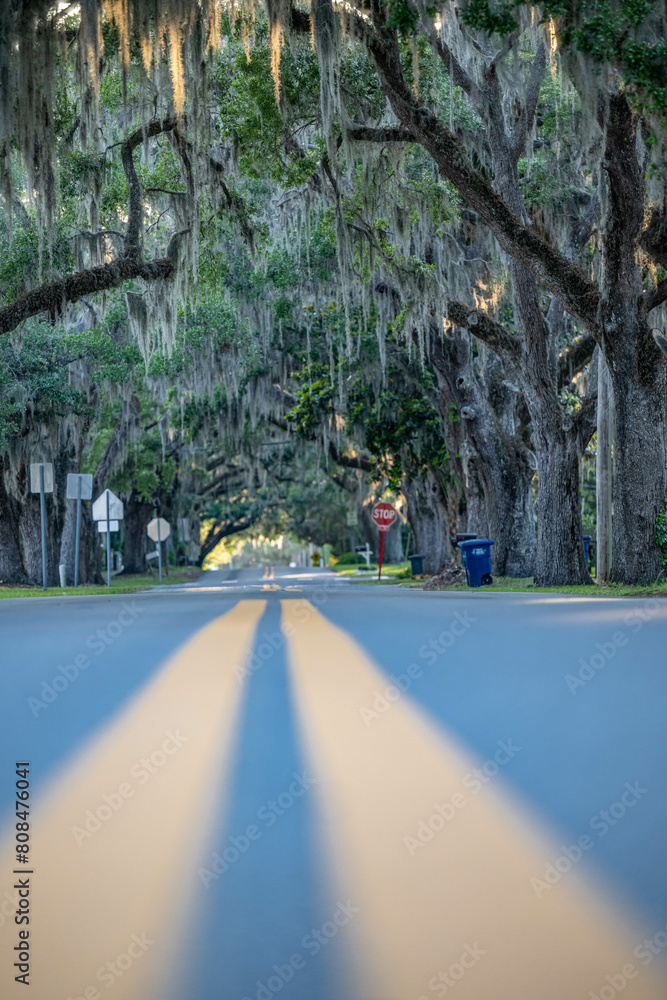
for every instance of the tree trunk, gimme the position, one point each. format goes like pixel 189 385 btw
pixel 560 548
pixel 603 475
pixel 427 514
pixel 640 456
pixel 135 538
pixel 30 529
pixel 12 569
pixel 494 465
pixel 393 543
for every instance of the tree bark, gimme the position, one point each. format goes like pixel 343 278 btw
pixel 603 476
pixel 135 537
pixel 640 459
pixel 427 514
pixel 12 569
pixel 494 465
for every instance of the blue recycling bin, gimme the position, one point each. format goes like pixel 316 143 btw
pixel 587 542
pixel 417 564
pixel 477 561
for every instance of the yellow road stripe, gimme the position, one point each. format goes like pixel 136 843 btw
pixel 127 877
pixel 467 890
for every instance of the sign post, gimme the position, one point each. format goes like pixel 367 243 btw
pixel 108 508
pixel 159 530
pixel 79 487
pixel 41 481
pixel 384 515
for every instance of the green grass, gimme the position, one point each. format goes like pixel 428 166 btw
pixel 397 572
pixel 510 584
pixel 129 584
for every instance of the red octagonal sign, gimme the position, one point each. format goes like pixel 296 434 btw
pixel 384 515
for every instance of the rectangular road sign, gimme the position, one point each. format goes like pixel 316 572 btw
pixel 73 486
pixel 102 526
pixel 34 477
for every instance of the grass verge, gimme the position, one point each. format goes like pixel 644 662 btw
pixel 123 584
pixel 510 584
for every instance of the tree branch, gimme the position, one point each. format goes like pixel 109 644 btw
pixel 547 264
pixel 572 360
pixel 484 327
pixel 130 264
pixel 655 297
pixel 348 461
pixel 383 133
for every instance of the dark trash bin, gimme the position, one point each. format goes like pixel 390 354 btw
pixel 587 542
pixel 461 537
pixel 477 561
pixel 417 564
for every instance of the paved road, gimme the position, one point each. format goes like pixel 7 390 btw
pixel 277 783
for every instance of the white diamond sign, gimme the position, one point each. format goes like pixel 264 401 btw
pixel 115 507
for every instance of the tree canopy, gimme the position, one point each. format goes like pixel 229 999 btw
pixel 253 256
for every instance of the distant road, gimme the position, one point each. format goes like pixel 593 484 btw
pixel 277 782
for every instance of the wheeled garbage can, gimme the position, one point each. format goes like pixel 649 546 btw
pixel 477 560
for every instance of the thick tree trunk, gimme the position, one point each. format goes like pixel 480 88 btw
pixel 640 457
pixel 494 465
pixel 560 548
pixel 427 514
pixel 393 543
pixel 603 475
pixel 12 569
pixel 135 540
pixel 30 529
pixel 637 367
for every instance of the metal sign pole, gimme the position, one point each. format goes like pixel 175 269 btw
pixel 78 532
pixel 159 550
pixel 108 544
pixel 42 512
pixel 381 551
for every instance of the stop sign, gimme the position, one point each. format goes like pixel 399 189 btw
pixel 384 515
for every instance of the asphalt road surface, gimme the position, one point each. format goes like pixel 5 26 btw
pixel 276 782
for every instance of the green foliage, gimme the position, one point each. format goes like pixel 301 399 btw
pixel 485 15
pixel 661 535
pixel 618 32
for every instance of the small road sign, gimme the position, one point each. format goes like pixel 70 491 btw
pixel 114 512
pixel 41 481
pixel 79 487
pixel 159 529
pixel 36 485
pixel 384 516
pixel 108 510
pixel 76 480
